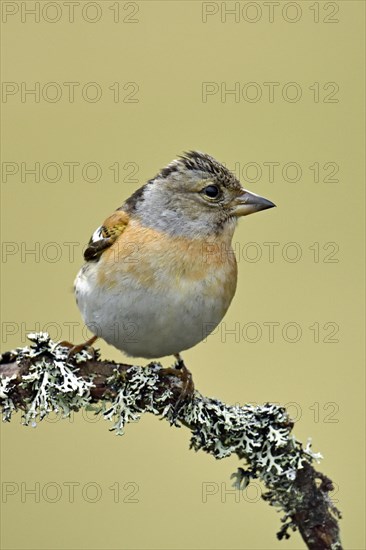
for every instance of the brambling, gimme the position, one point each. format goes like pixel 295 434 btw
pixel 160 272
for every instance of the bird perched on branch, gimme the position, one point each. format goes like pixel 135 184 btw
pixel 160 272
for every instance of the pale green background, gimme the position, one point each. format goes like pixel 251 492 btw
pixel 169 52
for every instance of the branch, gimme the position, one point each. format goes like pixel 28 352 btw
pixel 41 379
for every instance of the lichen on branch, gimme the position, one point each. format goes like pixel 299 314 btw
pixel 41 379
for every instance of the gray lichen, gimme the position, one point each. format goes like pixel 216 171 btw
pixel 8 406
pixel 54 386
pixel 139 394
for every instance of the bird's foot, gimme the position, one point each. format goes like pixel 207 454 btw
pixel 186 377
pixel 181 371
pixel 76 348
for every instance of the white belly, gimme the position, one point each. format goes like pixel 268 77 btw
pixel 150 322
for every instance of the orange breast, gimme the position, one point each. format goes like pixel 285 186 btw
pixel 155 260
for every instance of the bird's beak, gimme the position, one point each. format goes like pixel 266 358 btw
pixel 248 203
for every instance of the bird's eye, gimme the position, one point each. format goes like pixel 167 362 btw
pixel 211 191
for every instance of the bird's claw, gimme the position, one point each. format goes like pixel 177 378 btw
pixel 77 348
pixel 180 371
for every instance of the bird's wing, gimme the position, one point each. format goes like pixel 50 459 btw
pixel 106 235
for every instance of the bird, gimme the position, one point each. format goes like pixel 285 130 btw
pixel 160 272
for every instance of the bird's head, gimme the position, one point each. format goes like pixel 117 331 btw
pixel 194 196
